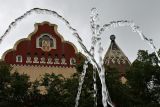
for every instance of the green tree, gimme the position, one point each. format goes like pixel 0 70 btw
pixel 54 87
pixel 143 83
pixel 19 88
pixel 143 80
pixel 13 87
pixel 117 90
pixel 5 79
pixel 141 90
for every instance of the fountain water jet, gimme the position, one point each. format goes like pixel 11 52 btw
pixel 85 66
pixel 96 39
pixel 74 32
pixel 134 28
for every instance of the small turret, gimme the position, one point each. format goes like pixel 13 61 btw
pixel 115 58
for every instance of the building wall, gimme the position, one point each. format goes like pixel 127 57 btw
pixel 37 72
pixel 53 47
pixel 28 45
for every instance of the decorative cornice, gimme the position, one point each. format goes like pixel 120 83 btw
pixel 22 65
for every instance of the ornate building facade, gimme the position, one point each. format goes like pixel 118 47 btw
pixel 44 51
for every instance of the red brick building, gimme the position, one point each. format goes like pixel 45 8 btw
pixel 44 51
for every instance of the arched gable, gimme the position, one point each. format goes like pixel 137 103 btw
pixel 45 45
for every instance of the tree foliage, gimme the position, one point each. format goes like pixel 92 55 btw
pixel 142 88
pixel 143 77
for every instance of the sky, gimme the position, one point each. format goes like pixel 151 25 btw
pixel 144 13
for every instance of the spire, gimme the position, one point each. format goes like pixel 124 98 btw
pixel 115 56
pixel 112 37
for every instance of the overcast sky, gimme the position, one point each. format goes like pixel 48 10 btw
pixel 144 13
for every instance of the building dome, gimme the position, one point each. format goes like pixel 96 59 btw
pixel 115 56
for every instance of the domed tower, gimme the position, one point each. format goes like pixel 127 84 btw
pixel 115 58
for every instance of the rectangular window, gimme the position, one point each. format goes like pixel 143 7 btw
pixel 18 58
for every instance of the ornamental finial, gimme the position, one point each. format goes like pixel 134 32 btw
pixel 112 37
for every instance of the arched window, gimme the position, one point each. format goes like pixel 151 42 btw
pixel 40 42
pixel 18 58
pixel 35 59
pixel 43 59
pixel 63 60
pixel 72 61
pixel 56 59
pixel 28 59
pixel 49 60
pixel 51 42
pixel 46 42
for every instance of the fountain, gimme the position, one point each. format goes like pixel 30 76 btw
pixel 97 31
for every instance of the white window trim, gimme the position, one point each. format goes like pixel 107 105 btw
pixel 28 59
pixel 17 57
pixel 56 61
pixel 63 61
pixel 71 61
pixel 49 60
pixel 35 60
pixel 43 60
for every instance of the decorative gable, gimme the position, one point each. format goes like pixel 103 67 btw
pixel 43 47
